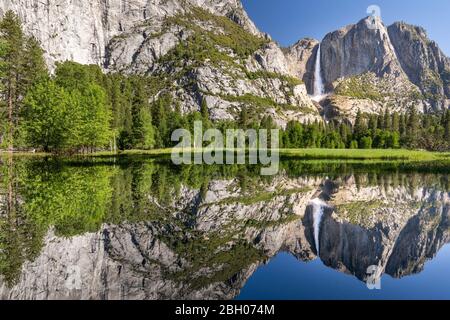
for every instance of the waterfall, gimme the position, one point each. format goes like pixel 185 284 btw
pixel 318 211
pixel 318 81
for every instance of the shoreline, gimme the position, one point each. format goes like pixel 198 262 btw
pixel 301 154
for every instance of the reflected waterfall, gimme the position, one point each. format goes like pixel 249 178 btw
pixel 318 211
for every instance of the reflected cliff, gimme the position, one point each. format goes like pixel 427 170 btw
pixel 135 228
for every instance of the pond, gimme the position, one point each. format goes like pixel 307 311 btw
pixel 141 228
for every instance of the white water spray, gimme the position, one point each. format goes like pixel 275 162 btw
pixel 319 89
pixel 318 211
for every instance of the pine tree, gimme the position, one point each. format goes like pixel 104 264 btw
pixel 243 118
pixel 12 60
pixel 402 125
pixel 387 120
pixel 447 126
pixel 204 109
pixel 373 123
pixel 360 126
pixel 380 121
pixel 345 133
pixel 396 122
pixel 142 128
pixel 160 120
pixel 34 66
pixel 413 126
pixel 3 50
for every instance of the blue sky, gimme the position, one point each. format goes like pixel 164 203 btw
pixel 290 20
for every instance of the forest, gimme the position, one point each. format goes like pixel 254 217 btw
pixel 79 109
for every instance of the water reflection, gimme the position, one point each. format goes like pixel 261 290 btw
pixel 143 229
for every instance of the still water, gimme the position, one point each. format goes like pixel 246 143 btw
pixel 140 228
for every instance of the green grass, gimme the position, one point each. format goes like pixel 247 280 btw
pixel 24 154
pixel 334 154
pixel 361 154
pixel 306 154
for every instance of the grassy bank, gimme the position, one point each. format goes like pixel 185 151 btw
pixel 306 154
pixel 334 154
pixel 361 154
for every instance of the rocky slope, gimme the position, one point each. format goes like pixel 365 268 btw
pixel 422 60
pixel 191 49
pixel 301 60
pixel 396 67
pixel 210 49
pixel 82 30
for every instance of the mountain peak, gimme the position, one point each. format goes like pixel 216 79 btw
pixel 407 26
pixel 358 48
pixel 372 22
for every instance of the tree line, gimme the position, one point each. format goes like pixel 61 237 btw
pixel 78 108
pixel 385 131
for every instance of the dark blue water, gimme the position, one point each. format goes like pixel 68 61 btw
pixel 286 278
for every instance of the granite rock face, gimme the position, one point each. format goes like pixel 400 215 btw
pixel 83 30
pixel 400 56
pixel 144 36
pixel 136 37
pixel 301 58
pixel 423 61
pixel 357 49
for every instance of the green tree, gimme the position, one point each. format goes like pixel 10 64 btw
pixel 373 123
pixel 34 66
pixel 160 111
pixel 49 117
pixel 402 125
pixel 387 120
pixel 446 126
pixel 74 76
pixel 204 111
pixel 413 126
pixel 143 133
pixel 3 122
pixel 12 61
pixel 243 118
pixel 345 131
pixel 93 128
pixel 354 144
pixel 360 126
pixel 294 135
pixel 394 140
pixel 366 143
pixel 396 122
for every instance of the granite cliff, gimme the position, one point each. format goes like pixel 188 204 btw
pixel 210 49
pixel 370 66
pixel 192 49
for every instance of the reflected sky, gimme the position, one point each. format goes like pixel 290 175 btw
pixel 286 278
